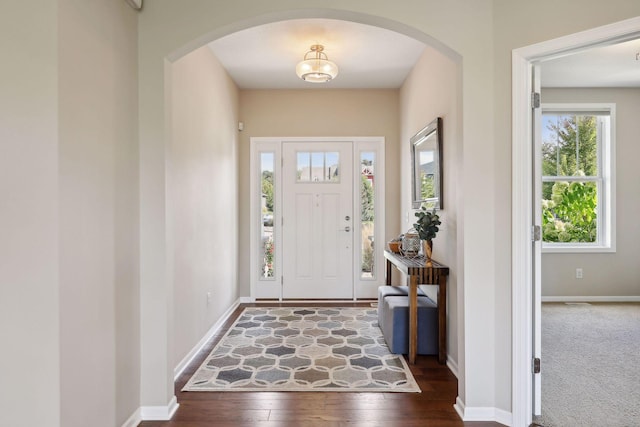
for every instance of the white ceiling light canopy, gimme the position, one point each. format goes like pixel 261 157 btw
pixel 316 67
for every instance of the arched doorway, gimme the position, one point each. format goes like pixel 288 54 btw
pixel 156 283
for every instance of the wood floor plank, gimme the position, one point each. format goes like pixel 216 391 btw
pixel 433 407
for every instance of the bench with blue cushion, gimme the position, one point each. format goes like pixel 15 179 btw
pixel 392 291
pixel 395 324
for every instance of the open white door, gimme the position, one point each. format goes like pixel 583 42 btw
pixel 536 252
pixel 318 225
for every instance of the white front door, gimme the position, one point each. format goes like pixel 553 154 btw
pixel 317 220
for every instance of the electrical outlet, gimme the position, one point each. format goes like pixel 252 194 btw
pixel 578 273
pixel 208 298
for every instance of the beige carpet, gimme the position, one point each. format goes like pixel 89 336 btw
pixel 590 365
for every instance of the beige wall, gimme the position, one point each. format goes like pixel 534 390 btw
pixel 432 90
pixel 518 24
pixel 29 305
pixel 203 196
pixel 316 112
pixel 98 161
pixel 68 214
pixel 605 274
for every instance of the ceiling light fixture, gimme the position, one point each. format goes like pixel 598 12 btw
pixel 316 67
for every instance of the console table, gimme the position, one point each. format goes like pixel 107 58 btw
pixel 417 273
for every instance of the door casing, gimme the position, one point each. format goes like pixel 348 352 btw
pixel 363 287
pixel 522 200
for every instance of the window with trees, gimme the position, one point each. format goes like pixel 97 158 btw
pixel 367 214
pixel 577 177
pixel 267 210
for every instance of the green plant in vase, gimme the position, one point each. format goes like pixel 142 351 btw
pixel 427 228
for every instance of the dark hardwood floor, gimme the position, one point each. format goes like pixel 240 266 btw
pixel 431 408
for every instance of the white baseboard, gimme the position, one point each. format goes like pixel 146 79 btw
pixel 482 413
pixel 453 366
pixel 504 417
pixel 134 419
pixel 204 340
pixel 247 300
pixel 592 299
pixel 312 301
pixel 459 407
pixel 159 413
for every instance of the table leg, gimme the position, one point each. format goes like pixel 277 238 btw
pixel 442 319
pixel 389 273
pixel 413 318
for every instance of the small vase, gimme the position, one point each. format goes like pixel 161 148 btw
pixel 427 249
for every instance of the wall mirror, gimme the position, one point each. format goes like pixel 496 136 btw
pixel 426 166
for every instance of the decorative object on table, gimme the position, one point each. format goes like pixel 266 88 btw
pixel 395 244
pixel 312 349
pixel 427 228
pixel 411 243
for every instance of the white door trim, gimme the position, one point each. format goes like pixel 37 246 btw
pixel 362 288
pixel 522 201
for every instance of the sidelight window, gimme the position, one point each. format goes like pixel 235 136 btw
pixel 367 214
pixel 267 211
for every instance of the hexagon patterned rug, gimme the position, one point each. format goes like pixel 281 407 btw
pixel 304 349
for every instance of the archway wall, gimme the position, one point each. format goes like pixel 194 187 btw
pixel 203 195
pixel 463 31
pixel 432 89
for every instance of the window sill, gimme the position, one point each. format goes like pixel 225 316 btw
pixel 568 249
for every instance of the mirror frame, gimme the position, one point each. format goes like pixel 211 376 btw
pixel 433 129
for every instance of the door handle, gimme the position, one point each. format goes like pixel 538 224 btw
pixel 347 229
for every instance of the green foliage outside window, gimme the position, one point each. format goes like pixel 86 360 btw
pixel 569 208
pixel 367 215
pixel 267 188
pixel 366 200
pixel 267 264
pixel 570 214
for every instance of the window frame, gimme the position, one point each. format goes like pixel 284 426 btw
pixel 605 180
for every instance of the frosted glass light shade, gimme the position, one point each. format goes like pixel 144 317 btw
pixel 317 69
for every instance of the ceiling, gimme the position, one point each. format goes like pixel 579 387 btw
pixel 608 66
pixel 265 57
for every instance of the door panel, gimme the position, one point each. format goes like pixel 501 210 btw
pixel 537 245
pixel 302 220
pixel 317 226
pixel 330 237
